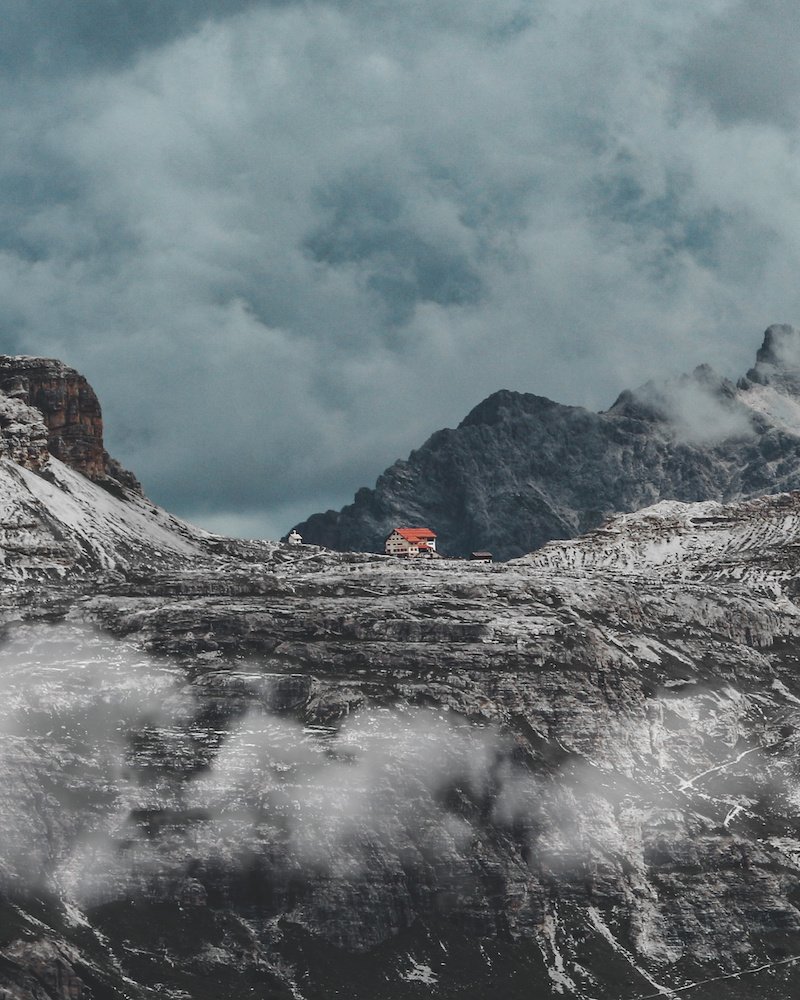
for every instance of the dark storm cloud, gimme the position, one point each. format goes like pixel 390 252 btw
pixel 54 36
pixel 286 241
pixel 746 63
pixel 368 225
pixel 624 201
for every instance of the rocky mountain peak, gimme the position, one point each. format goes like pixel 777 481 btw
pixel 69 510
pixel 505 406
pixel 777 360
pixel 781 346
pixel 48 408
pixel 520 470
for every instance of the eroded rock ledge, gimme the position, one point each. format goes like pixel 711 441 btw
pixel 48 408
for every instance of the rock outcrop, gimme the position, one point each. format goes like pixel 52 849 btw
pixel 521 470
pixel 23 433
pixel 36 392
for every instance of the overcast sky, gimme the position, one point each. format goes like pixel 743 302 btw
pixel 286 241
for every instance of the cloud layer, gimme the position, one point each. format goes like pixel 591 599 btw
pixel 285 241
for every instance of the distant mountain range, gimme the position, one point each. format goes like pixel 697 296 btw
pixel 521 470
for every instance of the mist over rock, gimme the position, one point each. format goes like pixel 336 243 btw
pixel 781 347
pixel 521 470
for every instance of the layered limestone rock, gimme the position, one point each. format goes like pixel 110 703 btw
pixel 23 433
pixel 521 470
pixel 69 411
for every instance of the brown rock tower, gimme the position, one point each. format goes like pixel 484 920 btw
pixel 71 414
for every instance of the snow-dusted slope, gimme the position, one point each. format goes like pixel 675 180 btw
pixel 67 508
pixel 757 541
pixel 57 523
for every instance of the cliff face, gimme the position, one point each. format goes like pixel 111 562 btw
pixel 294 773
pixel 521 470
pixel 44 392
pixel 23 433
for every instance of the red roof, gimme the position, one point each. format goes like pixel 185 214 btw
pixel 416 534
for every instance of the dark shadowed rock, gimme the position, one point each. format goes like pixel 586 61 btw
pixel 520 470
